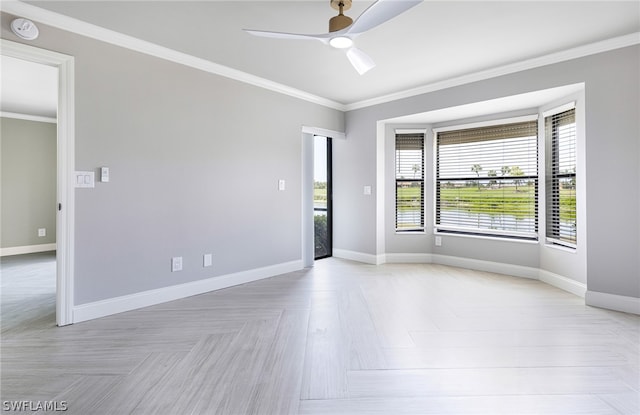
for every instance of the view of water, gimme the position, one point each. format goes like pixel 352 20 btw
pixel 483 221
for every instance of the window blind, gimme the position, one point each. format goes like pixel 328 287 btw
pixel 409 175
pixel 487 180
pixel 560 133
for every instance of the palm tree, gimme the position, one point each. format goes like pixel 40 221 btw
pixel 415 168
pixel 504 170
pixel 476 168
pixel 492 173
pixel 516 171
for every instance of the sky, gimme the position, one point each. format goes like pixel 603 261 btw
pixel 320 159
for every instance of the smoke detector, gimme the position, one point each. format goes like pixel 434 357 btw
pixel 24 29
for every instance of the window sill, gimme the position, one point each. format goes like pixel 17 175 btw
pixel 562 248
pixel 487 237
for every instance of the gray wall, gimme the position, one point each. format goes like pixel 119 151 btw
pixel 613 146
pixel 195 161
pixel 408 242
pixel 28 150
pixel 612 105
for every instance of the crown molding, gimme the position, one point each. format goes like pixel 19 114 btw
pixel 115 38
pixel 80 27
pixel 28 117
pixel 569 54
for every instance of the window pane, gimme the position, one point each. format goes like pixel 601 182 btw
pixel 409 205
pixel 561 178
pixel 409 172
pixel 495 205
pixel 487 180
pixel 321 234
pixel 322 197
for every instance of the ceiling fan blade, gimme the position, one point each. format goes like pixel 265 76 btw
pixel 324 38
pixel 378 13
pixel 360 60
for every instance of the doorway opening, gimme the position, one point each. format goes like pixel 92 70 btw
pixel 322 197
pixel 29 150
pixel 65 155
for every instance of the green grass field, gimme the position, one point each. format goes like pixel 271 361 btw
pixel 520 203
pixel 491 201
pixel 319 197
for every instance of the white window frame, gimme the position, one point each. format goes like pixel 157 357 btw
pixel 482 233
pixel 422 229
pixel 550 241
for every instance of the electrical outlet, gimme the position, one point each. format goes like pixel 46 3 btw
pixel 42 232
pixel 176 264
pixel 438 240
pixel 207 260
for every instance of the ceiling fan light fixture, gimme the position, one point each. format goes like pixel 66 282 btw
pixel 341 42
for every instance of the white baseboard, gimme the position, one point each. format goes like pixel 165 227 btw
pixel 28 249
pixel 564 283
pixel 489 266
pixel 130 302
pixel 359 256
pixel 613 302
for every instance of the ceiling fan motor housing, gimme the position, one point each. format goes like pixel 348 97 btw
pixel 340 21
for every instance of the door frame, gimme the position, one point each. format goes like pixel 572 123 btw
pixel 308 251
pixel 329 167
pixel 65 224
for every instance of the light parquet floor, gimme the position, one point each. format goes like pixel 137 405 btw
pixel 340 338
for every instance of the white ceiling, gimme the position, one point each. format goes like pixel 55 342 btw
pixel 431 43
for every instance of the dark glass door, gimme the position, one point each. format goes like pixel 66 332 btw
pixel 322 197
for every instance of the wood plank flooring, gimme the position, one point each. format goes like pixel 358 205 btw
pixel 339 338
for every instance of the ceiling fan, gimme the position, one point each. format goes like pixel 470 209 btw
pixel 342 29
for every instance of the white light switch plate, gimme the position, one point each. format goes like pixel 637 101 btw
pixel 104 174
pixel 282 185
pixel 367 190
pixel 85 179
